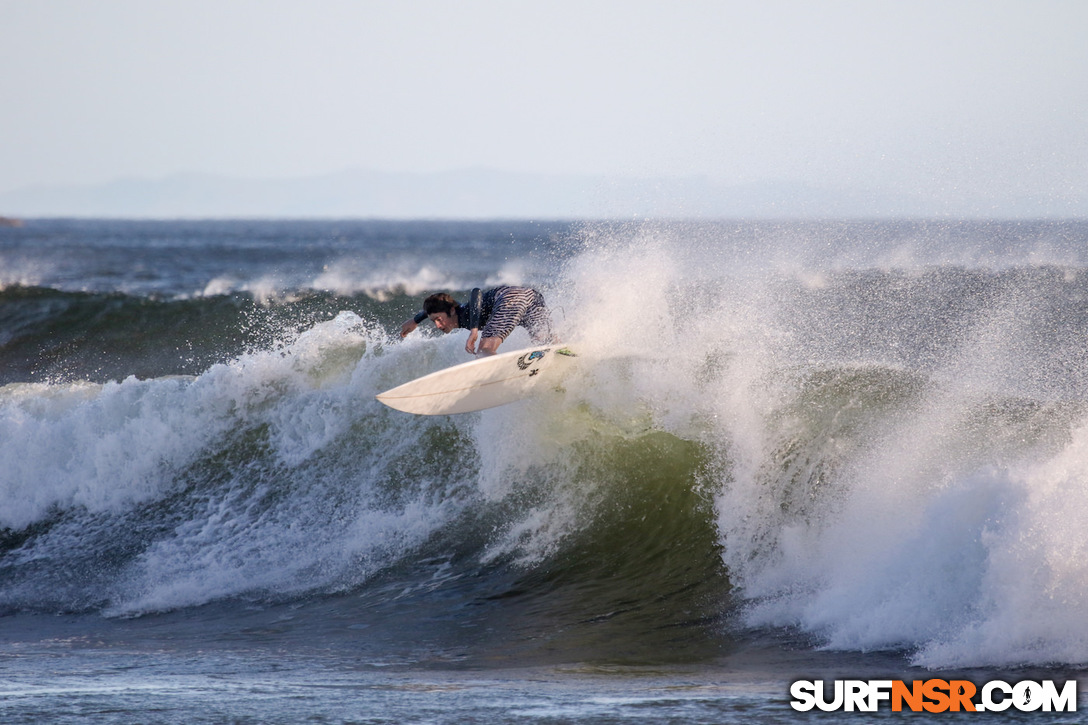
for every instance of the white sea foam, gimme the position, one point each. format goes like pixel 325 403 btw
pixel 947 526
pixel 933 506
pixel 98 446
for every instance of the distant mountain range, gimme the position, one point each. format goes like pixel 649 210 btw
pixel 490 194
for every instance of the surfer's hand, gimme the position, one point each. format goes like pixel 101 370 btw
pixel 470 346
pixel 407 327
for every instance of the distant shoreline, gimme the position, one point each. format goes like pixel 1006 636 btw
pixel 480 193
pixel 10 222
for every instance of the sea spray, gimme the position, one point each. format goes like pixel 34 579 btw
pixel 868 426
pixel 866 434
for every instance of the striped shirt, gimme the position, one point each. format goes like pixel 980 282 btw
pixel 498 311
pixel 504 308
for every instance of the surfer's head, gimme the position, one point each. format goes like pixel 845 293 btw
pixel 442 310
pixel 440 302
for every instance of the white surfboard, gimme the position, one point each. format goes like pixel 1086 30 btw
pixel 481 383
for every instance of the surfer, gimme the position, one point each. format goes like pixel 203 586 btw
pixel 488 316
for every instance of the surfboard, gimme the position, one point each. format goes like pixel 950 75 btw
pixel 482 383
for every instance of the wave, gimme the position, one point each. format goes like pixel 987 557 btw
pixel 278 477
pixel 892 512
pixel 273 260
pixel 876 459
pixel 50 335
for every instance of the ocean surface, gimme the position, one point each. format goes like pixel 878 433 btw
pixel 826 450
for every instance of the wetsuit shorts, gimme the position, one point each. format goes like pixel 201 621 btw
pixel 504 308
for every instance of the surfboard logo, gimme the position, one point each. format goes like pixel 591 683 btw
pixel 529 358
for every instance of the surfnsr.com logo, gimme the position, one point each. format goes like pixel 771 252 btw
pixel 934 696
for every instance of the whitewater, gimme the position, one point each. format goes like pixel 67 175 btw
pixel 788 450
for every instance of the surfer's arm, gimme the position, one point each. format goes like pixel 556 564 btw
pixel 489 345
pixel 412 323
pixel 475 309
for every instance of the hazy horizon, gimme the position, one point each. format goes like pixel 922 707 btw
pixel 961 106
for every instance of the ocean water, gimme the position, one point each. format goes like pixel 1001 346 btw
pixel 833 450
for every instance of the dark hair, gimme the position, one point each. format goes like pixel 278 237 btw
pixel 440 302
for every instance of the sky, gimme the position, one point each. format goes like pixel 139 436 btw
pixel 951 96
